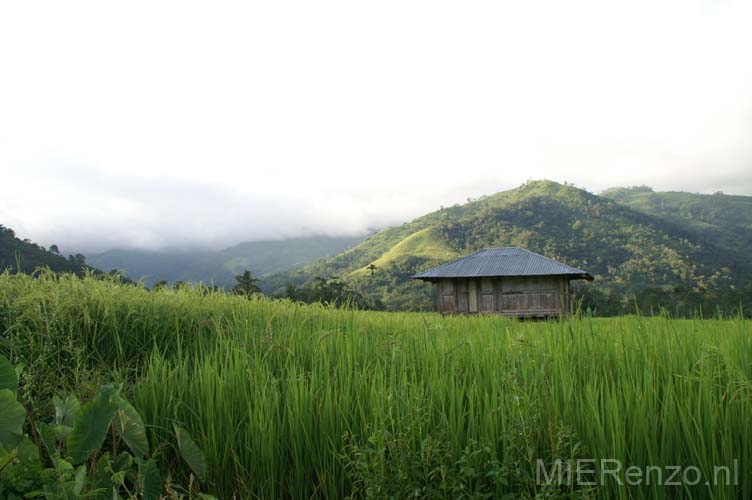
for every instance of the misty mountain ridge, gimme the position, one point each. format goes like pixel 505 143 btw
pixel 221 266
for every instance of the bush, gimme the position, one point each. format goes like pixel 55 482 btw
pixel 72 457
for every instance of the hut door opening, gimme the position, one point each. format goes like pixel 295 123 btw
pixel 462 296
pixel 448 297
pixel 472 296
pixel 486 296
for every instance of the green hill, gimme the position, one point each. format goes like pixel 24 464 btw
pixel 220 267
pixel 16 253
pixel 625 249
pixel 725 219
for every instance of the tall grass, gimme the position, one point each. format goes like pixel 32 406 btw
pixel 308 401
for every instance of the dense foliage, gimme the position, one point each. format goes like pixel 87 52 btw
pixel 76 454
pixel 331 291
pixel 725 219
pixel 678 302
pixel 626 250
pixel 23 255
pixel 305 401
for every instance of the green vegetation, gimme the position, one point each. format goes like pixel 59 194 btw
pixel 76 454
pixel 625 249
pixel 306 401
pixel 678 302
pixel 331 291
pixel 23 255
pixel 245 284
pixel 725 219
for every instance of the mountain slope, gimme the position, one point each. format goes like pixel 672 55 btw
pixel 725 219
pixel 624 249
pixel 220 267
pixel 15 253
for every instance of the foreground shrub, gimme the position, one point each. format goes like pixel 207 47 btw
pixel 67 458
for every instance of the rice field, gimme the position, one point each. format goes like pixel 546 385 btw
pixel 297 401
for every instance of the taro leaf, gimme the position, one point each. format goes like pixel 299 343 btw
pixel 61 432
pixel 52 434
pixel 130 427
pixel 91 424
pixel 149 480
pixel 6 458
pixel 119 468
pixel 190 452
pixel 8 375
pixel 118 478
pixel 62 465
pixel 100 477
pixel 66 411
pixel 122 463
pixel 80 480
pixel 48 436
pixel 12 416
pixel 27 452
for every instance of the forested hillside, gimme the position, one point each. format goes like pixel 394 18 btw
pixel 725 219
pixel 625 249
pixel 21 254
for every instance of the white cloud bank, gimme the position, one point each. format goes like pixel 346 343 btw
pixel 154 123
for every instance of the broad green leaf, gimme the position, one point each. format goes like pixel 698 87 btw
pixel 130 427
pixel 190 452
pixel 100 477
pixel 97 493
pixel 61 432
pixel 62 465
pixel 12 416
pixel 149 480
pixel 91 424
pixel 122 463
pixel 66 411
pixel 118 478
pixel 27 452
pixel 8 376
pixel 80 481
pixel 5 458
pixel 48 436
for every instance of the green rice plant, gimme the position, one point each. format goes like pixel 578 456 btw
pixel 308 401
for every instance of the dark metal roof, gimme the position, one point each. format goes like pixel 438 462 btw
pixel 511 261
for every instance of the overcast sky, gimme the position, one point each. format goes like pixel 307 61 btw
pixel 148 124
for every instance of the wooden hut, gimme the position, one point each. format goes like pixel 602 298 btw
pixel 508 281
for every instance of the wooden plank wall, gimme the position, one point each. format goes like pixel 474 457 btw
pixel 537 295
pixel 515 296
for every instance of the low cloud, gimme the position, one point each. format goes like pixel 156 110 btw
pixel 84 208
pixel 260 120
